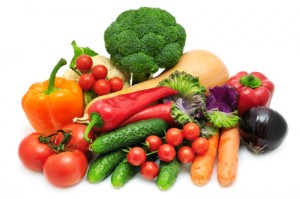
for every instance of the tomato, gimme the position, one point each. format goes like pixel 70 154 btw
pixel 149 170
pixel 174 136
pixel 33 153
pixel 77 140
pixel 186 154
pixel 86 81
pixel 136 156
pixel 84 63
pixel 200 145
pixel 153 142
pixel 102 87
pixel 166 152
pixel 99 72
pixel 66 168
pixel 116 84
pixel 191 131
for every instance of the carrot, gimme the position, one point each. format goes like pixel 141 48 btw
pixel 202 166
pixel 228 156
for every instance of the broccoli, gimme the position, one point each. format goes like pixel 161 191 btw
pixel 144 40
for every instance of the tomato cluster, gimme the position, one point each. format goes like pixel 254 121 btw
pixel 95 78
pixel 62 156
pixel 184 143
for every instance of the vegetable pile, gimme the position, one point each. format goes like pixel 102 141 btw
pixel 109 117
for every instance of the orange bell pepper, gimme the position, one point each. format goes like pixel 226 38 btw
pixel 51 104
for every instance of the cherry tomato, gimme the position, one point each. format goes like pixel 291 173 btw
pixel 66 168
pixel 149 170
pixel 154 142
pixel 102 87
pixel 33 153
pixel 200 145
pixel 174 136
pixel 136 156
pixel 77 140
pixel 166 152
pixel 186 154
pixel 191 131
pixel 84 63
pixel 86 81
pixel 116 84
pixel 99 72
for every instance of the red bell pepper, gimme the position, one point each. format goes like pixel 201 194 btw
pixel 106 114
pixel 254 89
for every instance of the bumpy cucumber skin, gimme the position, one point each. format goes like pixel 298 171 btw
pixel 123 173
pixel 168 172
pixel 104 165
pixel 129 135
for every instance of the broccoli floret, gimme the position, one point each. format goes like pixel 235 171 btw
pixel 144 40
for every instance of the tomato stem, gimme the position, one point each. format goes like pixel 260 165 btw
pixel 51 143
pixel 51 84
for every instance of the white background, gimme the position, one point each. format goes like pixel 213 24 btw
pixel 247 35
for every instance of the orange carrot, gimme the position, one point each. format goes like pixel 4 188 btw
pixel 202 166
pixel 228 156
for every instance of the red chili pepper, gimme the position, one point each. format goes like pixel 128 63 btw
pixel 254 90
pixel 107 114
pixel 162 111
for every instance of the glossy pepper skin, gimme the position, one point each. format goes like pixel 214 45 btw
pixel 107 114
pixel 254 89
pixel 51 104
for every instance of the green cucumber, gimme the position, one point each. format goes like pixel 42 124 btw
pixel 129 135
pixel 168 172
pixel 123 173
pixel 104 165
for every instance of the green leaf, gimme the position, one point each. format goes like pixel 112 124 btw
pixel 221 119
pixel 79 51
pixel 208 131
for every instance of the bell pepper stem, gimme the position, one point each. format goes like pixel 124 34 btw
pixel 51 84
pixel 95 121
pixel 250 81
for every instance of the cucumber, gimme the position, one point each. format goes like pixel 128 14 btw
pixel 123 173
pixel 168 172
pixel 104 165
pixel 129 135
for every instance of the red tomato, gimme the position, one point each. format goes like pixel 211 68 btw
pixel 186 154
pixel 136 156
pixel 116 84
pixel 66 168
pixel 77 140
pixel 33 153
pixel 174 136
pixel 84 63
pixel 102 87
pixel 153 142
pixel 200 145
pixel 149 170
pixel 166 152
pixel 99 72
pixel 191 131
pixel 86 81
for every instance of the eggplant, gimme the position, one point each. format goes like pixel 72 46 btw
pixel 262 129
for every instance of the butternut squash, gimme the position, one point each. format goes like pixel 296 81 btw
pixel 201 63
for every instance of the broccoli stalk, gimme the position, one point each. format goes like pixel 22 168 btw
pixel 144 40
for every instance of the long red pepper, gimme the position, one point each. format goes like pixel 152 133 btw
pixel 162 111
pixel 107 114
pixel 167 111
